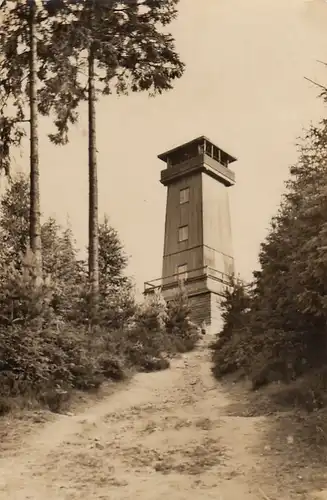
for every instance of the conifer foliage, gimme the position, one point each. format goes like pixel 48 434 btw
pixel 235 309
pixel 281 333
pixel 182 331
pixel 80 324
pixel 121 46
pixel 58 54
pixel 46 347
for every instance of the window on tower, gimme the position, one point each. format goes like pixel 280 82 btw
pixel 184 195
pixel 182 272
pixel 208 148
pixel 183 233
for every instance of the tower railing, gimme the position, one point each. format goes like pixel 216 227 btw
pixel 186 277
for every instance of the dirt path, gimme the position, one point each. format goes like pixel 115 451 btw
pixel 165 436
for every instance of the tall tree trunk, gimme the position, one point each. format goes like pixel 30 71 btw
pixel 35 213
pixel 93 188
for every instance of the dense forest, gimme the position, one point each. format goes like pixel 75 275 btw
pixel 48 345
pixel 275 326
pixel 66 323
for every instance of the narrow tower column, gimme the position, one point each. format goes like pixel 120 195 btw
pixel 198 236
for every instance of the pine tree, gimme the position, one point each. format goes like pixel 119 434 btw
pixel 125 49
pixel 14 222
pixel 293 253
pixel 230 348
pixel 25 61
pixel 288 312
pixel 112 259
pixel 182 331
pixel 235 308
pixel 116 297
pixel 59 252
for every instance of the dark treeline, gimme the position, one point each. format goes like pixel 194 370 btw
pixel 275 327
pixel 66 323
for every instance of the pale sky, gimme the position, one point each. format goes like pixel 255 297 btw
pixel 244 88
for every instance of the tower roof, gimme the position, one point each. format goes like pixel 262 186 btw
pixel 198 141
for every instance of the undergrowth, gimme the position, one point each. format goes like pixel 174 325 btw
pixel 46 364
pixel 293 362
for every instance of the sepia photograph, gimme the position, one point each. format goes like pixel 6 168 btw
pixel 163 250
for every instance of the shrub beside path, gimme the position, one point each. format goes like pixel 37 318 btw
pixel 165 435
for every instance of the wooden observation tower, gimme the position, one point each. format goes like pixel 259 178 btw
pixel 198 235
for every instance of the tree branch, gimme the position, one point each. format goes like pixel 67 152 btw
pixel 315 83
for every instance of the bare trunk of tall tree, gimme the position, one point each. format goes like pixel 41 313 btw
pixel 93 189
pixel 35 214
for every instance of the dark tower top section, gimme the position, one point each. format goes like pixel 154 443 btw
pixel 198 155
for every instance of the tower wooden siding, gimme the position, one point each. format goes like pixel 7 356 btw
pixel 217 232
pixel 189 214
pixel 203 168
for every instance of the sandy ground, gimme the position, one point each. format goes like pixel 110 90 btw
pixel 167 435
